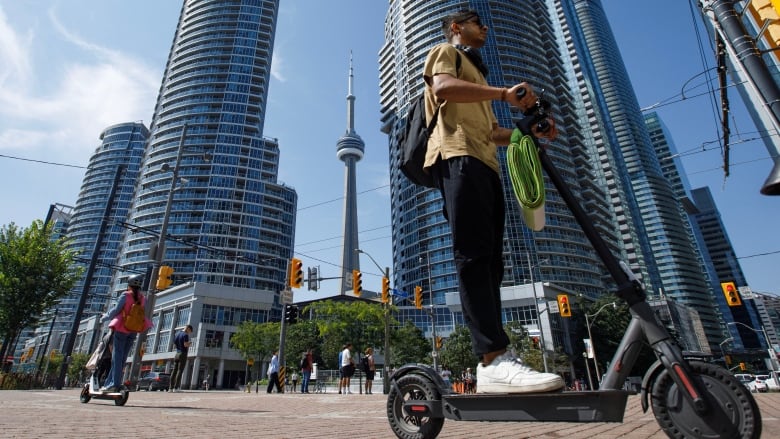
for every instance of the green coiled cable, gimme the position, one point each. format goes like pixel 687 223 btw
pixel 525 170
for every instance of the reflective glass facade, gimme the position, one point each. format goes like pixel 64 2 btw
pixel 121 145
pixel 231 223
pixel 653 225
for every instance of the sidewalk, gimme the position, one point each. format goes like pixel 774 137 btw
pixel 233 414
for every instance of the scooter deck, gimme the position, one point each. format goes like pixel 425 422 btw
pixel 584 406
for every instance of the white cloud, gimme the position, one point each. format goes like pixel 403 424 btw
pixel 100 89
pixel 13 52
pixel 277 65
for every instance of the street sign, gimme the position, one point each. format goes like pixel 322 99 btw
pixel 287 297
pixel 588 347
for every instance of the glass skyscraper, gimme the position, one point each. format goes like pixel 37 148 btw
pixel 231 222
pixel 651 221
pixel 122 145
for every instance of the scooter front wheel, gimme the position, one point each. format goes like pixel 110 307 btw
pixel 84 397
pixel 122 399
pixel 732 410
pixel 406 425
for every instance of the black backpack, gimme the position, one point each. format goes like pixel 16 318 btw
pixel 413 142
pixel 364 364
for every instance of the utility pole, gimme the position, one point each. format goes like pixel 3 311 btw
pixel 158 253
pixel 751 69
pixel 386 349
pixel 74 329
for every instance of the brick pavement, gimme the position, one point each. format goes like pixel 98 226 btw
pixel 231 414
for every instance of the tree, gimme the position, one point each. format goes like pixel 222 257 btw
pixel 257 341
pixel 36 271
pixel 76 368
pixel 607 331
pixel 456 352
pixel 300 337
pixel 356 322
pixel 408 345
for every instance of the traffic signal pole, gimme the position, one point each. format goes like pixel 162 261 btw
pixel 158 253
pixel 74 329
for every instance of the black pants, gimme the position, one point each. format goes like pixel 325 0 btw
pixel 474 207
pixel 273 380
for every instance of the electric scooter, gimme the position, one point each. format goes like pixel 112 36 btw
pixel 91 390
pixel 690 399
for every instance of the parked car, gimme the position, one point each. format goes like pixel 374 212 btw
pixel 746 379
pixel 154 381
pixel 760 384
pixel 772 381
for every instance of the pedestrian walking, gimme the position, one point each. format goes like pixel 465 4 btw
pixel 182 345
pixel 273 374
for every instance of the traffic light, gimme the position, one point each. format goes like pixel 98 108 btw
pixel 438 342
pixel 296 273
pixel 418 297
pixel 164 279
pixel 385 289
pixel 731 293
pixel 291 314
pixel 535 342
pixel 357 282
pixel 742 366
pixel 563 305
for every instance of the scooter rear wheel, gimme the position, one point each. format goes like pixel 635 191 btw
pixel 406 425
pixel 84 397
pixel 733 411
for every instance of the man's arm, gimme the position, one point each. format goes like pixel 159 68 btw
pixel 448 88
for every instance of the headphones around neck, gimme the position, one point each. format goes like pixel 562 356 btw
pixel 474 56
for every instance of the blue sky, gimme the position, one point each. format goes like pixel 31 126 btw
pixel 70 68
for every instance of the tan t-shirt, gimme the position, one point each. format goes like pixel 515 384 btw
pixel 462 128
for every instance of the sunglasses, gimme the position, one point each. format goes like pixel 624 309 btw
pixel 472 19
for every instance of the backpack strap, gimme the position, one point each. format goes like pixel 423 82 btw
pixel 435 116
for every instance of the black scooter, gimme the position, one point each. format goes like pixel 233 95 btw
pixel 690 399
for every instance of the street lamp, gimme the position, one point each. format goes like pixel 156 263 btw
pixel 158 250
pixel 536 306
pixel 722 352
pixel 592 346
pixel 386 348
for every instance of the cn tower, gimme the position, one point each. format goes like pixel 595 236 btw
pixel 349 149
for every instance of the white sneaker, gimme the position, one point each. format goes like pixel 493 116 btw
pixel 506 374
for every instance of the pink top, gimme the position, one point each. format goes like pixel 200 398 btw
pixel 118 323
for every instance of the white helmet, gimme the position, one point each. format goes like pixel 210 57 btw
pixel 135 280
